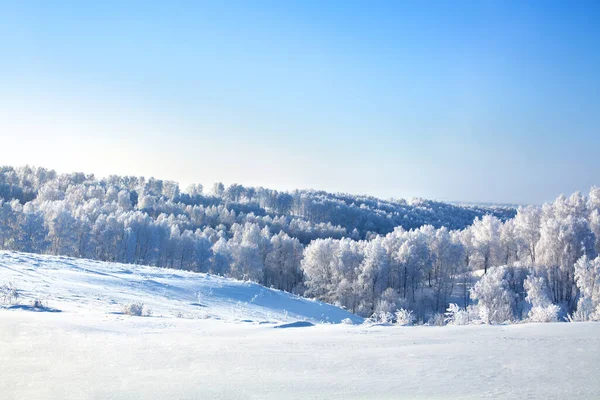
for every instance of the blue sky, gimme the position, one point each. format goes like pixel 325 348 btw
pixel 472 101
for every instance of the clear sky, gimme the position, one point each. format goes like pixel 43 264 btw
pixel 453 100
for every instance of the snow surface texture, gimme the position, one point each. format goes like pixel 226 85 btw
pixel 87 286
pixel 89 350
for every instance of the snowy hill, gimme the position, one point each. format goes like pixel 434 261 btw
pixel 86 286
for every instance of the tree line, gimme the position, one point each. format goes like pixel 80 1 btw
pixel 536 262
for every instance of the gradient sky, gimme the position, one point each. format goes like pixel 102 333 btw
pixel 491 101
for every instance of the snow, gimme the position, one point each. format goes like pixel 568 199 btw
pixel 87 286
pixel 297 324
pixel 89 350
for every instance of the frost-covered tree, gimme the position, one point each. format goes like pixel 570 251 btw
pixel 318 268
pixel 370 280
pixel 414 257
pixel 509 249
pixel 486 241
pixel 202 258
pixel 282 264
pixel 62 228
pixel 447 256
pixel 565 236
pixel 593 205
pixel 31 233
pixel 346 265
pixel 247 259
pixel 222 258
pixel 465 277
pixel 527 233
pixel 542 309
pixel 587 277
pixel 218 189
pixel 495 299
pixel 8 223
pixel 195 189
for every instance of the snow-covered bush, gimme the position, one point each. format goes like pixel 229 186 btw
pixel 347 321
pixel 494 297
pixel 587 278
pixel 380 318
pixel 135 309
pixel 9 294
pixel 384 306
pixel 389 301
pixel 405 317
pixel 542 309
pixel 585 311
pixel 456 315
pixel 544 314
pixel 451 313
pixel 400 317
pixel 437 319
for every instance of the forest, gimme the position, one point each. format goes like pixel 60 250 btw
pixel 416 259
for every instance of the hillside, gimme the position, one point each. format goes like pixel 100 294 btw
pixel 84 287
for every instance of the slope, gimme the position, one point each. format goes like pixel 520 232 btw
pixel 86 286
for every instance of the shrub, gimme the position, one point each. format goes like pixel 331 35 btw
pixel 388 302
pixel 347 321
pixel 437 319
pixel 548 313
pixel 455 315
pixel 135 309
pixel 587 277
pixel 9 294
pixel 542 309
pixel 405 317
pixel 381 317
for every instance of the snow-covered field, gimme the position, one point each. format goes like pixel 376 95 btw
pixel 222 344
